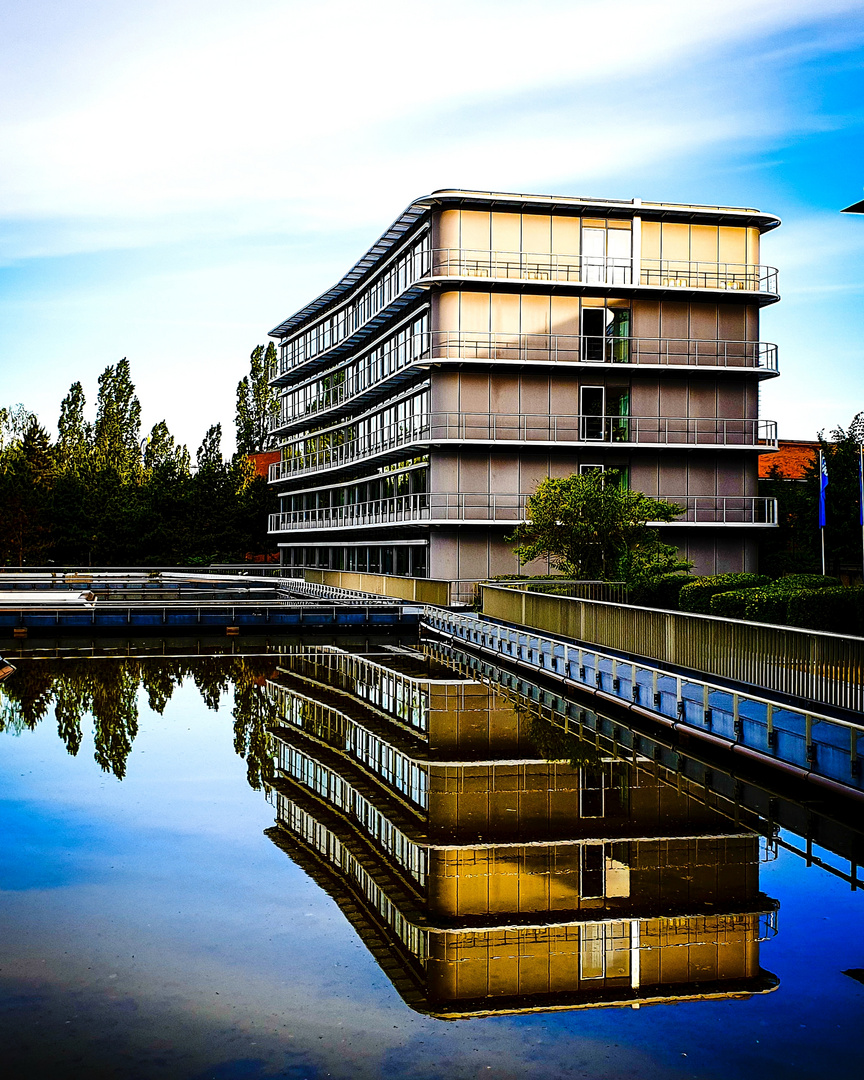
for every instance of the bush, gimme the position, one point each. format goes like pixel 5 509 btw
pixel 730 605
pixel 660 592
pixel 803 581
pixel 837 609
pixel 696 596
pixel 767 605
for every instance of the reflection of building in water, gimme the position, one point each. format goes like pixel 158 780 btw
pixel 485 878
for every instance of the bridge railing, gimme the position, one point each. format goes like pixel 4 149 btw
pixel 818 667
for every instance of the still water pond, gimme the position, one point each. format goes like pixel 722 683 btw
pixel 361 862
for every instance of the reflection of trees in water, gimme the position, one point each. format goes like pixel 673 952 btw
pixel 107 691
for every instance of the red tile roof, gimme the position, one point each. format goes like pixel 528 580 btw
pixel 792 458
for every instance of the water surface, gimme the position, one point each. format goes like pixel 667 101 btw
pixel 172 905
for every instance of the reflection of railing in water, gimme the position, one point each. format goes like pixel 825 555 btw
pixel 761 810
pixel 404 697
pixel 823 747
pixel 352 738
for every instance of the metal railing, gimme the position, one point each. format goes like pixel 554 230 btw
pixel 813 666
pixel 534 348
pixel 597 270
pixel 600 349
pixel 502 508
pixel 812 742
pixel 463 427
pixel 566 268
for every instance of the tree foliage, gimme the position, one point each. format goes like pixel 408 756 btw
pixel 101 496
pixel 257 403
pixel 795 545
pixel 105 696
pixel 591 527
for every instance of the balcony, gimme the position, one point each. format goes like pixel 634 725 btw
pixel 507 509
pixel 417 434
pixel 518 349
pixel 612 271
pixel 602 274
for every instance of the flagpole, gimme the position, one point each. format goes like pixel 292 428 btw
pixel 823 484
pixel 861 501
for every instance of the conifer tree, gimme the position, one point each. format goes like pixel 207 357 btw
pixel 257 404
pixel 75 435
pixel 118 423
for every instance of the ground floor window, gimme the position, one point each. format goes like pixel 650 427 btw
pixel 406 559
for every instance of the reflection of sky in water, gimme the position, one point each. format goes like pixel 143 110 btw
pixel 150 929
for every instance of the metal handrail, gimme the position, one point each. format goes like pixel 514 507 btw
pixel 507 508
pixel 614 271
pixel 590 349
pixel 519 427
pixel 611 270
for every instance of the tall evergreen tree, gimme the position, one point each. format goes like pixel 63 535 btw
pixel 75 435
pixel 26 482
pixel 118 422
pixel 257 404
pixel 161 452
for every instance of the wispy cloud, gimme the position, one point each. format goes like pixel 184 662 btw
pixel 178 176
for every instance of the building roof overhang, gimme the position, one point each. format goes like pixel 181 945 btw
pixel 855 208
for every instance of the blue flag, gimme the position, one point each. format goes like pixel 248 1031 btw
pixel 823 487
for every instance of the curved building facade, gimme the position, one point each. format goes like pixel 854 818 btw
pixel 489 341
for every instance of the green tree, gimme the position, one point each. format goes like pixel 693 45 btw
pixel 13 423
pixel 162 453
pixel 257 404
pixel 74 434
pixel 26 489
pixel 588 525
pixel 842 527
pixel 117 430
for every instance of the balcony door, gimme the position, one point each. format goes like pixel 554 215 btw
pixel 605 335
pixel 592 412
pixel 606 256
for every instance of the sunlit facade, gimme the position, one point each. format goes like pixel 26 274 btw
pixel 489 341
pixel 484 877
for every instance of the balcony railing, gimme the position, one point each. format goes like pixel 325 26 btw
pixel 595 270
pixel 539 348
pixel 506 509
pixel 456 427
pixel 614 272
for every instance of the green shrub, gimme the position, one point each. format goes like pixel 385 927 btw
pixel 804 581
pixel 837 609
pixel 660 592
pixel 766 605
pixel 696 596
pixel 729 605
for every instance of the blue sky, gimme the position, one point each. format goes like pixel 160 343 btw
pixel 178 177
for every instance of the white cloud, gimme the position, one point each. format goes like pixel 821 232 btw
pixel 291 103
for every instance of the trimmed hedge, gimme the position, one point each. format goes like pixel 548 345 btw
pixel 730 605
pixel 791 582
pixel 696 596
pixel 767 605
pixel 839 610
pixel 833 608
pixel 661 592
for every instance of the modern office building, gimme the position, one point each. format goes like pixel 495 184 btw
pixel 485 878
pixel 488 341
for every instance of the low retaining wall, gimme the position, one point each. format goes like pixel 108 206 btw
pixel 416 590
